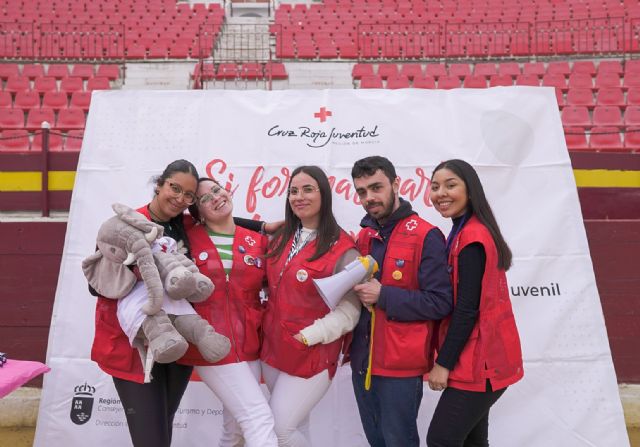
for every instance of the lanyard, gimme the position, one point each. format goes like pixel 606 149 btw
pixel 297 246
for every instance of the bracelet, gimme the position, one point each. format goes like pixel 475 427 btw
pixel 263 225
pixel 304 339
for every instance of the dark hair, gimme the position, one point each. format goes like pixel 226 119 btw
pixel 181 165
pixel 479 206
pixel 177 222
pixel 193 209
pixel 368 166
pixel 328 228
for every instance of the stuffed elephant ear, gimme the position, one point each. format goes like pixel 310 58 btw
pixel 109 279
pixel 130 216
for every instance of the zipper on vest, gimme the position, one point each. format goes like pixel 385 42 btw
pixel 228 312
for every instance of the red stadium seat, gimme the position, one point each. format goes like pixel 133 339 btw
pixel 374 81
pixel 109 71
pixel 556 80
pixel 580 97
pixel 631 80
pixel 448 82
pixel 632 139
pixel 98 84
pixel 633 96
pixel 33 71
pixel 580 80
pixel 605 139
pixel 607 79
pixel 26 100
pixel 70 119
pixel 47 84
pixel 425 81
pixel 509 68
pixel 575 116
pixel 530 79
pixel 534 68
pixel 58 71
pixel 8 70
pixel 6 101
pixel 576 139
pixel 459 70
pixel 17 84
pixel 632 116
pixel 501 80
pixel 613 96
pixel 475 81
pixel 485 69
pixel 84 71
pixel 16 140
pixel 387 70
pixel 436 70
pixel 559 68
pixel 608 66
pixel 55 100
pixel 398 81
pixel 80 100
pixel 584 67
pixel 632 66
pixel 55 142
pixel 411 71
pixel 607 116
pixel 227 71
pixel 276 70
pixel 71 85
pixel 37 116
pixel 73 141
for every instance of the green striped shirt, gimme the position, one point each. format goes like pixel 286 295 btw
pixel 224 245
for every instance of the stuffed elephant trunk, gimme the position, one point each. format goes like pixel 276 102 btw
pixel 149 272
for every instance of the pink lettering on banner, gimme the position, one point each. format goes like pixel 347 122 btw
pixel 264 188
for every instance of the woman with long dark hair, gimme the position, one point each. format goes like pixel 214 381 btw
pixel 303 337
pixel 479 354
pixel 150 407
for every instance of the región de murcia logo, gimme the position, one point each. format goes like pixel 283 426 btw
pixel 82 403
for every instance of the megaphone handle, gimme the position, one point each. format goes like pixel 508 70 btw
pixel 367 377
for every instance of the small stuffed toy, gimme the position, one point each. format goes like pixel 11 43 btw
pixel 168 279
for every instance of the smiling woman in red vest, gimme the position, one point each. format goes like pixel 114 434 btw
pixel 479 355
pixel 233 258
pixel 302 336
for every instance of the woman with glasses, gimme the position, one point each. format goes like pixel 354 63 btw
pixel 149 407
pixel 233 258
pixel 302 336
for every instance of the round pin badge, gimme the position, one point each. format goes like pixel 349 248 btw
pixel 397 275
pixel 248 259
pixel 400 263
pixel 241 249
pixel 258 262
pixel 302 275
pixel 203 256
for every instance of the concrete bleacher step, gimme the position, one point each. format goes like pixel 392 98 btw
pixel 313 75
pixel 244 39
pixel 158 76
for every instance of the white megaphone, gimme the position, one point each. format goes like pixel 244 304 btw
pixel 333 288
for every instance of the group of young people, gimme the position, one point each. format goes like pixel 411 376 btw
pixel 437 306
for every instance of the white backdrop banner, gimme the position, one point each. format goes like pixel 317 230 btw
pixel 252 140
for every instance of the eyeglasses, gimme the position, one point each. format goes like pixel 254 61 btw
pixel 306 190
pixel 215 191
pixel 176 190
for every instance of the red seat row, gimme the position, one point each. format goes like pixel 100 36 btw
pixel 69 118
pixel 603 139
pixel 15 84
pixel 19 141
pixel 248 71
pixel 59 71
pixel 27 100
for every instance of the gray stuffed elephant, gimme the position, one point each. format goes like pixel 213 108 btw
pixel 127 239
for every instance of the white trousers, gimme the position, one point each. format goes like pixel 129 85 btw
pixel 246 418
pixel 292 399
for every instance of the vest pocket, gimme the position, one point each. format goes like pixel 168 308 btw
pixel 110 345
pixel 252 329
pixel 405 346
pixel 465 368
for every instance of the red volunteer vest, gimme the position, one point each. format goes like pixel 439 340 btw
pixel 294 304
pixel 400 349
pixel 493 349
pixel 234 308
pixel 111 349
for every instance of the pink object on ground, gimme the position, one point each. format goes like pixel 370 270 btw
pixel 15 373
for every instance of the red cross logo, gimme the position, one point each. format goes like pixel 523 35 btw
pixel 322 114
pixel 411 225
pixel 249 240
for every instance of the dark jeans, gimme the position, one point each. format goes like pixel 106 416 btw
pixel 150 407
pixel 389 410
pixel 461 418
